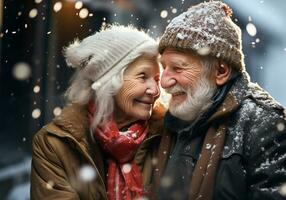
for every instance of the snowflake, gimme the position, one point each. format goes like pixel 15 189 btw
pixel 87 173
pixel 208 146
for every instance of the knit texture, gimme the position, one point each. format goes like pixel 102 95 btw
pixel 106 53
pixel 206 29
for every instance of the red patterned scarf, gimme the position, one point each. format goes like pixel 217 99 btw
pixel 124 179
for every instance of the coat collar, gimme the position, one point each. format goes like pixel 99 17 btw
pixel 73 122
pixel 234 98
pixel 243 89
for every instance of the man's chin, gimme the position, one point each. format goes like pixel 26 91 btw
pixel 182 110
pixel 175 108
pixel 176 101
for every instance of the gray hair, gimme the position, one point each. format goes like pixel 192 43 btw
pixel 80 92
pixel 209 64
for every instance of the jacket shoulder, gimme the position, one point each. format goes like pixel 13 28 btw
pixel 258 108
pixel 255 120
pixel 48 146
pixel 263 98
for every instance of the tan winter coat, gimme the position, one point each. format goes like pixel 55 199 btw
pixel 63 147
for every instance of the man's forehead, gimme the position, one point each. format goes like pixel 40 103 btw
pixel 187 55
pixel 180 51
pixel 172 50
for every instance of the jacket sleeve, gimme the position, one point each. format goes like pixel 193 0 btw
pixel 48 178
pixel 266 163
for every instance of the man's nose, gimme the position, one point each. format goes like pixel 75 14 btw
pixel 167 80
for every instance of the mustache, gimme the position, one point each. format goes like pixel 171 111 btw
pixel 175 89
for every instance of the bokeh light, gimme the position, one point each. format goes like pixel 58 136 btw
pixel 36 89
pixel 36 113
pixel 251 29
pixel 164 13
pixel 57 111
pixel 83 13
pixel 78 5
pixel 33 13
pixel 21 71
pixel 58 6
pixel 87 173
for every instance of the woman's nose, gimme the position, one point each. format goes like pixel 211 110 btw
pixel 153 89
pixel 167 80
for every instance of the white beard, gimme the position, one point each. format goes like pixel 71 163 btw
pixel 197 101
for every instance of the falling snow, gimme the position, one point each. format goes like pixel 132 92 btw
pixel 96 85
pixel 83 13
pixel 33 13
pixel 282 190
pixel 57 111
pixel 280 126
pixel 78 5
pixel 164 14
pixel 87 173
pixel 36 113
pixel 208 146
pixel 166 181
pixel 36 89
pixel 204 51
pixel 58 6
pixel 21 71
pixel 251 29
pixel 126 168
pixel 174 10
pixel 154 161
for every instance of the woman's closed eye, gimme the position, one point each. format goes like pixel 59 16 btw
pixel 142 76
pixel 177 69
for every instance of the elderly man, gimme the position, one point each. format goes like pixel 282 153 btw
pixel 228 134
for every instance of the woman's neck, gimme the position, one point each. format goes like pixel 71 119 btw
pixel 122 119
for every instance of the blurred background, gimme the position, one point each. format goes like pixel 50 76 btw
pixel 34 76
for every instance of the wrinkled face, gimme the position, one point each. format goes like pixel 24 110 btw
pixel 183 77
pixel 139 91
pixel 180 69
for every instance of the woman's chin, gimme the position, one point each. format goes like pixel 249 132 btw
pixel 143 115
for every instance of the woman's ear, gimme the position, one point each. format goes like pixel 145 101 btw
pixel 222 73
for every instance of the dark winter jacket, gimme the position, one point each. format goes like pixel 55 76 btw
pixel 253 161
pixel 63 148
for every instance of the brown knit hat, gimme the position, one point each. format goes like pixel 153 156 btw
pixel 207 29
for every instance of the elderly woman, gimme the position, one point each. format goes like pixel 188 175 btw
pixel 105 142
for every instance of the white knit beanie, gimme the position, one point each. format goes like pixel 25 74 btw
pixel 107 52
